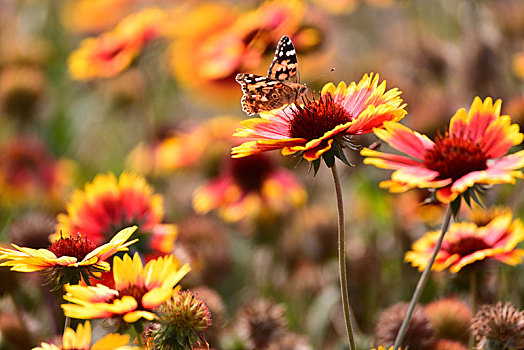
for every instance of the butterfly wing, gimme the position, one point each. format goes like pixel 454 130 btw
pixel 263 94
pixel 285 65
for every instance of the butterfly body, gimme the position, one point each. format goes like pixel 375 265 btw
pixel 280 87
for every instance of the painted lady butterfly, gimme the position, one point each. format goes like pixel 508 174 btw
pixel 279 88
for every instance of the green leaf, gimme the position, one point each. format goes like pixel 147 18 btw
pixel 329 158
pixel 455 206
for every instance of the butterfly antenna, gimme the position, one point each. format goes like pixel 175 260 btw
pixel 320 76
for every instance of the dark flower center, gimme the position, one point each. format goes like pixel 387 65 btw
pixel 137 292
pixel 316 117
pixel 77 247
pixel 466 246
pixel 251 172
pixel 455 157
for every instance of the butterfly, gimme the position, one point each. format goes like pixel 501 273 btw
pixel 279 88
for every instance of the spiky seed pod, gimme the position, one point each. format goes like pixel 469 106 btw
pixel 420 332
pixel 499 327
pixel 260 323
pixel 450 318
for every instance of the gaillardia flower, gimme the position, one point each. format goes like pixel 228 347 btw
pixel 81 340
pixel 472 152
pixel 112 52
pixel 138 290
pixel 67 260
pixel 107 205
pixel 249 187
pixel 466 243
pixel 320 125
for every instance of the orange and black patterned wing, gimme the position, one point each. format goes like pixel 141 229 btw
pixel 285 65
pixel 264 94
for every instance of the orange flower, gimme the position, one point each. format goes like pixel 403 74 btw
pixel 471 153
pixel 217 41
pixel 518 64
pixel 67 260
pixel 181 150
pixel 138 290
pixel 107 205
pixel 248 187
pixel 112 52
pixel 81 339
pixel 466 243
pixel 29 173
pixel 318 126
pixel 90 16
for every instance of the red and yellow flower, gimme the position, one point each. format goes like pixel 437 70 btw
pixel 112 52
pixel 311 129
pixel 67 252
pixel 216 41
pixel 472 152
pixel 81 340
pixel 466 243
pixel 108 204
pixel 30 173
pixel 138 290
pixel 249 187
pixel 93 16
pixel 67 260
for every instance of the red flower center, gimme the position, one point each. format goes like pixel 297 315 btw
pixel 251 172
pixel 466 246
pixel 77 247
pixel 316 117
pixel 455 157
pixel 137 292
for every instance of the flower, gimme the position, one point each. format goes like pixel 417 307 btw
pixel 67 259
pixel 183 320
pixel 445 344
pixel 216 41
pixel 249 187
pixel 466 243
pixel 112 52
pixel 81 339
pixel 30 174
pixel 317 126
pixel 138 290
pixel 184 149
pixel 90 16
pixel 108 204
pixel 499 327
pixel 470 153
pixel 419 334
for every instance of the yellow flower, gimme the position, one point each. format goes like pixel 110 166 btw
pixel 81 340
pixel 138 290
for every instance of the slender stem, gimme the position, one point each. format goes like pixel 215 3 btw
pixel 473 280
pixel 342 259
pixel 139 329
pixel 422 281
pixel 67 323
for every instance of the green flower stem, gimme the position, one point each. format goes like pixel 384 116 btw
pixel 422 281
pixel 342 259
pixel 139 329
